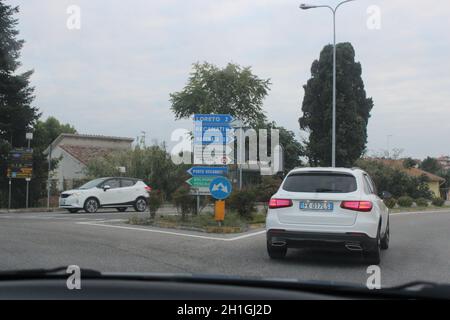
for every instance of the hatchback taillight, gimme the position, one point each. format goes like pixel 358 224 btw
pixel 147 188
pixel 364 206
pixel 279 203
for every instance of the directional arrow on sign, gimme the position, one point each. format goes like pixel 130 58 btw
pixel 207 171
pixel 198 182
pixel 221 187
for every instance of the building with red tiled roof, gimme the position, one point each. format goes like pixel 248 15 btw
pixel 434 181
pixel 76 150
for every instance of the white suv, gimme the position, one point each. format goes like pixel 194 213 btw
pixel 328 207
pixel 119 193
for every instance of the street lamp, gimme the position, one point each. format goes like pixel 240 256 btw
pixel 305 6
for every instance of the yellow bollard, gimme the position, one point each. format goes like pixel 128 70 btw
pixel 219 210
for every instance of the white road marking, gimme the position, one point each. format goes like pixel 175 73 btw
pixel 98 224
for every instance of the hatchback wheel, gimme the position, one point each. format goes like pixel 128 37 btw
pixel 140 205
pixel 91 205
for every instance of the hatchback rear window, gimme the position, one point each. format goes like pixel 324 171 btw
pixel 322 182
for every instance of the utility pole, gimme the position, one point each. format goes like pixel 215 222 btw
pixel 48 176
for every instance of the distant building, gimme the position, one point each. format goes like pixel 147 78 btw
pixel 444 161
pixel 434 182
pixel 76 150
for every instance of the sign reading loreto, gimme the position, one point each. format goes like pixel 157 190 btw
pixel 20 164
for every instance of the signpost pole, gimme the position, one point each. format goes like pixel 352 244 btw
pixel 241 134
pixel 198 202
pixel 28 189
pixel 9 195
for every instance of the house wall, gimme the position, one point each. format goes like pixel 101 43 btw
pixel 68 168
pixel 434 187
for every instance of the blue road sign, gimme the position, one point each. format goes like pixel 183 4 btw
pixel 213 133
pixel 207 171
pixel 220 188
pixel 216 118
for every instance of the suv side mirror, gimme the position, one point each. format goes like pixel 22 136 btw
pixel 105 188
pixel 386 195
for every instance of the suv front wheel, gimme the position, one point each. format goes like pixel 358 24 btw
pixel 91 205
pixel 140 205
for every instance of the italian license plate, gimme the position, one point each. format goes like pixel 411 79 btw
pixel 316 205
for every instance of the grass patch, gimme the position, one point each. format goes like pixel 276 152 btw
pixel 204 222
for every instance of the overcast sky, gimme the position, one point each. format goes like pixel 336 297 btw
pixel 113 76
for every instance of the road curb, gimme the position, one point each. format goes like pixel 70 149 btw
pixel 419 212
pixel 34 210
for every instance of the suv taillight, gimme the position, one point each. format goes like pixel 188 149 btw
pixel 279 203
pixel 364 206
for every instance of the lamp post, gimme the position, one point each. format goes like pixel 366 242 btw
pixel 304 6
pixel 29 137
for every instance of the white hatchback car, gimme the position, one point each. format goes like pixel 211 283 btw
pixel 119 193
pixel 328 207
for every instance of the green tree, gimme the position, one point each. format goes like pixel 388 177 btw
pixel 431 165
pixel 47 131
pixel 44 133
pixel 352 108
pixel 17 115
pixel 292 148
pixel 409 163
pixel 232 90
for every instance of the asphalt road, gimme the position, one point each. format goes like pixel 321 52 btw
pixel 420 249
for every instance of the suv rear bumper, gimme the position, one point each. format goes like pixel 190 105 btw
pixel 300 239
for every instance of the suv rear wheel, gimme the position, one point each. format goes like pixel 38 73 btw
pixel 373 256
pixel 385 239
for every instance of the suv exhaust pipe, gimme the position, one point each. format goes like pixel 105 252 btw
pixel 278 243
pixel 353 247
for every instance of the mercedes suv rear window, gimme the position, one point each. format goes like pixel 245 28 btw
pixel 322 182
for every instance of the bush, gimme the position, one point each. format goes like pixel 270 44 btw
pixel 438 202
pixel 390 203
pixel 154 202
pixel 405 201
pixel 243 201
pixel 184 201
pixel 421 202
pixel 267 188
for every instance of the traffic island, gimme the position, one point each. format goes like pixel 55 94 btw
pixel 232 223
